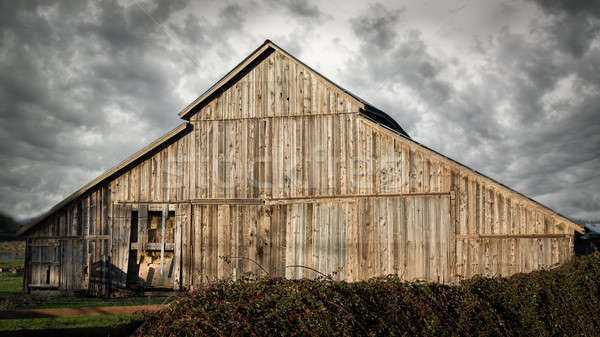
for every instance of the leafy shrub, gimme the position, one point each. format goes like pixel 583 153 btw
pixel 562 301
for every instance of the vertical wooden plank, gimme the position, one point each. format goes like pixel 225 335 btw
pixel 181 213
pixel 396 236
pixel 125 243
pixel 390 220
pixel 186 246
pixel 222 231
pixel 165 212
pixel 411 239
pixel 202 245
pixel 342 262
pixel 291 249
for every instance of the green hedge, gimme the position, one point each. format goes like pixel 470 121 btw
pixel 562 301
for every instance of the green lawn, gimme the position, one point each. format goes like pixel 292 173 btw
pixel 11 263
pixel 70 322
pixel 11 283
pixel 12 298
pixel 82 302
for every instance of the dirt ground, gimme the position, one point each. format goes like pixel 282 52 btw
pixel 78 312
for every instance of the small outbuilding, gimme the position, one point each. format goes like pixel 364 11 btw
pixel 278 170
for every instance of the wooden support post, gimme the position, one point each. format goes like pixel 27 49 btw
pixel 87 242
pixel 104 274
pixel 165 212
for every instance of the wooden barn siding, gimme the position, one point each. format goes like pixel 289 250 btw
pixel 273 134
pixel 278 87
pixel 284 132
pixel 498 232
pixel 350 238
pixel 163 177
pixel 80 227
pixel 273 157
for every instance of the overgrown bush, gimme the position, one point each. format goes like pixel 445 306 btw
pixel 562 301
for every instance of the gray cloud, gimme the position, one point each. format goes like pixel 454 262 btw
pixel 377 29
pixel 85 84
pixel 299 8
pixel 577 23
pixel 70 71
pixel 510 122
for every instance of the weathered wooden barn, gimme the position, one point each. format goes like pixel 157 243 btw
pixel 276 167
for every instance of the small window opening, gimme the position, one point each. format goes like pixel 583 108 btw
pixel 155 227
pixel 134 226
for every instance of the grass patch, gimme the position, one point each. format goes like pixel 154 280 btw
pixel 66 322
pixel 7 264
pixel 83 302
pixel 10 283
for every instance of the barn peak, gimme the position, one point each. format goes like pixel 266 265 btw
pixel 258 56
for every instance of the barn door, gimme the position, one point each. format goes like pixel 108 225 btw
pixel 44 263
pixel 157 259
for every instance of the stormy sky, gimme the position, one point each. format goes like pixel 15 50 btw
pixel 509 88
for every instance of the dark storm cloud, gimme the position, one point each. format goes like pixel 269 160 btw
pixel 387 58
pixel 511 123
pixel 85 84
pixel 198 34
pixel 577 23
pixel 299 8
pixel 69 72
pixel 377 29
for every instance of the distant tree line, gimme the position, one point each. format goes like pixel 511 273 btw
pixel 8 227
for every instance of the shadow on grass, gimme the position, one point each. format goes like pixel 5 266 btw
pixel 118 330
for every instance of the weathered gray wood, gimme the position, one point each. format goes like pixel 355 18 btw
pixel 280 168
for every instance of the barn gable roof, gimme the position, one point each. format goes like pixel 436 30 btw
pixel 259 55
pixel 368 111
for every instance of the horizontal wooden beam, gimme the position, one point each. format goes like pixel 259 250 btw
pixel 347 197
pixel 314 115
pixel 65 238
pixel 35 238
pixel 153 246
pixel 279 201
pixel 45 286
pixel 228 201
pixel 97 237
pixel 511 236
